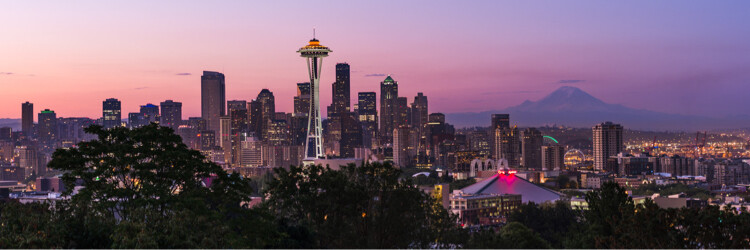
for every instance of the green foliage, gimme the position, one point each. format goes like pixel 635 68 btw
pixel 359 207
pixel 671 189
pixel 553 222
pixel 460 184
pixel 514 235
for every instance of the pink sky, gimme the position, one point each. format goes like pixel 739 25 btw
pixel 678 57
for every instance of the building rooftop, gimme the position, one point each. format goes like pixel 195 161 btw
pixel 512 184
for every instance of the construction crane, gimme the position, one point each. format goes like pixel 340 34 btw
pixel 700 143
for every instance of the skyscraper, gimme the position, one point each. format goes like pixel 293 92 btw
pixel 419 119
pixel 27 117
pixel 302 100
pixel 213 99
pixel 267 111
pixel 607 140
pixel 151 112
pixel 171 114
pixel 388 97
pixel 314 53
pixel 553 157
pixel 341 89
pixel 500 121
pixel 531 149
pixel 255 113
pixel 507 145
pixel 368 117
pixel 47 126
pixel 111 109
pixel 351 134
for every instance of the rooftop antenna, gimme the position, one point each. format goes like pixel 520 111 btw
pixel 313 33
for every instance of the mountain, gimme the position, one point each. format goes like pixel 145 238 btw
pixel 15 124
pixel 571 106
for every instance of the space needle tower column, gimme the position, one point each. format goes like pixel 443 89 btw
pixel 314 53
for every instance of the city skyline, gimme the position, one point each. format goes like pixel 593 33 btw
pixel 676 61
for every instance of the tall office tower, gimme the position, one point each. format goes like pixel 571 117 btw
pixel 607 140
pixel 207 140
pixel 47 126
pixel 197 123
pixel 419 115
pixel 278 133
pixel 436 117
pixel 341 93
pixel 314 52
pixel 388 96
pixel 267 110
pixel 111 109
pixel 213 99
pixel 255 112
pixel 237 110
pixel 419 119
pixel 137 120
pixel 351 135
pixel 507 145
pixel 237 104
pixel 302 100
pixel 553 157
pixel 404 145
pixel 403 112
pixel 151 112
pixel 225 138
pixel 27 117
pixel 368 117
pixel 497 121
pixel 171 114
pixel 531 149
pixel 500 121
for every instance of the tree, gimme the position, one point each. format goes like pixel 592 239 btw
pixel 553 222
pixel 359 207
pixel 513 235
pixel 144 188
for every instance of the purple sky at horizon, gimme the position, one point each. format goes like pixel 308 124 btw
pixel 685 57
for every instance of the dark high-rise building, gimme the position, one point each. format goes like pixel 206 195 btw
pixel 351 134
pixel 302 100
pixel 47 126
pixel 419 114
pixel 237 104
pixel 237 110
pixel 437 117
pixel 27 117
pixel 607 140
pixel 213 99
pixel 388 96
pixel 341 89
pixel 553 157
pixel 531 149
pixel 111 109
pixel 151 112
pixel 368 117
pixel 507 145
pixel 403 112
pixel 267 109
pixel 137 120
pixel 171 114
pixel 256 118
pixel 500 121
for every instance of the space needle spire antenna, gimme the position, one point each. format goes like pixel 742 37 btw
pixel 313 53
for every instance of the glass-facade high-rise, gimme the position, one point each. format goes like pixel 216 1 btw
pixel 27 117
pixel 171 114
pixel 213 99
pixel 111 117
pixel 388 97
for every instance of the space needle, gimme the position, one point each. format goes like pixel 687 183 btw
pixel 313 52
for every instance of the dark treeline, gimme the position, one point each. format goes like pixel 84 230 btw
pixel 143 188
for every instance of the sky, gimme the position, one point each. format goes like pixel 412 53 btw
pixel 684 57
